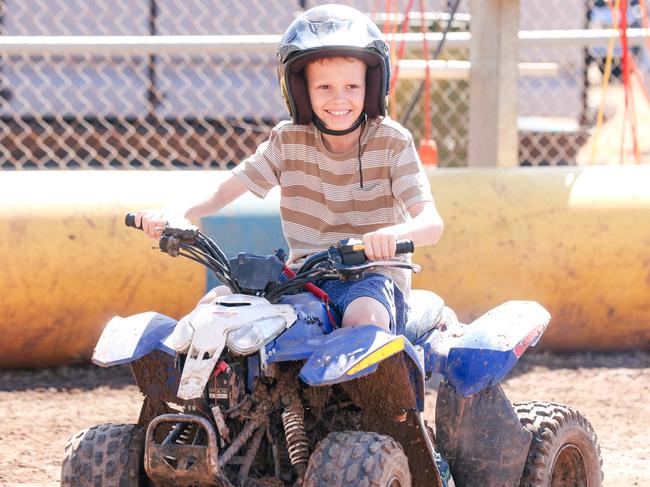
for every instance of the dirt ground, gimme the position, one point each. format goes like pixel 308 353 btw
pixel 41 409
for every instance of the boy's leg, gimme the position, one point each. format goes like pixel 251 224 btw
pixel 365 311
pixel 375 300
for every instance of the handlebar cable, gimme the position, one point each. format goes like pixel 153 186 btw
pixel 212 264
pixel 214 250
pixel 224 280
pixel 215 264
pixel 312 261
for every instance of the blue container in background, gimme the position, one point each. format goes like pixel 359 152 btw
pixel 249 224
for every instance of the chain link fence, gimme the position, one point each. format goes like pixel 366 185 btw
pixel 168 107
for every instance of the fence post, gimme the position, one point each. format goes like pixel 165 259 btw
pixel 493 136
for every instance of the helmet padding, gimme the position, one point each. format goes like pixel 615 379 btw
pixel 325 32
pixel 298 83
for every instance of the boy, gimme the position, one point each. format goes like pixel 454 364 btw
pixel 344 168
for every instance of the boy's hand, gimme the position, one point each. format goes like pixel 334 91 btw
pixel 152 222
pixel 380 244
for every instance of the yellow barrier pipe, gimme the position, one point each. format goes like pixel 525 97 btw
pixel 575 239
pixel 68 263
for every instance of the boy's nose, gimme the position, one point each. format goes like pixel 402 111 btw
pixel 339 93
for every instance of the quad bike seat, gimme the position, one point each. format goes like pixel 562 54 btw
pixel 425 313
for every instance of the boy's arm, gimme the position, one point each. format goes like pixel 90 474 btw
pixel 424 228
pixel 153 221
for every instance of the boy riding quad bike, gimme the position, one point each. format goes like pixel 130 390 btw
pixel 312 374
pixel 261 388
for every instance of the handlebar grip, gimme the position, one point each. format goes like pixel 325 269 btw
pixel 404 247
pixel 129 221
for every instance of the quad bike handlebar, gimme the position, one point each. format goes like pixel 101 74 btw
pixel 345 261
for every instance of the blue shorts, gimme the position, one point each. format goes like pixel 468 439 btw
pixel 376 286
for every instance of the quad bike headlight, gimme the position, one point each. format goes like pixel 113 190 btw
pixel 253 336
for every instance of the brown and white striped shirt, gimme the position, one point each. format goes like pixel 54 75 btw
pixel 321 200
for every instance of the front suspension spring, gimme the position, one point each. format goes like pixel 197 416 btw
pixel 294 432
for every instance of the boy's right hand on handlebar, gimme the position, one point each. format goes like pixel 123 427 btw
pixel 152 222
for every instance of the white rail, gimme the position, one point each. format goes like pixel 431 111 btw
pixel 213 44
pixel 459 70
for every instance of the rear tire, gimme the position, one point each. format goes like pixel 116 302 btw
pixel 110 455
pixel 564 451
pixel 358 458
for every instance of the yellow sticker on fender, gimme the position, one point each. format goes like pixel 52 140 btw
pixel 391 348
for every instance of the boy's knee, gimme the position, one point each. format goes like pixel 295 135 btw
pixel 366 311
pixel 213 294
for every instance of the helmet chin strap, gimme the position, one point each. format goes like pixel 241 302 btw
pixel 321 126
pixel 362 118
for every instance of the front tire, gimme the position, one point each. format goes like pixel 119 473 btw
pixel 110 455
pixel 564 451
pixel 358 458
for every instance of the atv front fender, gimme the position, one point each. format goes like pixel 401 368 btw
pixel 349 353
pixel 127 339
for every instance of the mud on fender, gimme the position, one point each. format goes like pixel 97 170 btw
pixel 481 437
pixel 353 353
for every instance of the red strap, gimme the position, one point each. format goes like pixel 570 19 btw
pixel 315 290
pixel 402 46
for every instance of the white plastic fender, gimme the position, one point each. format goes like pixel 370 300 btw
pixel 126 339
pixel 209 326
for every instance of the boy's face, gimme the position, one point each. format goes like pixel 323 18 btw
pixel 337 89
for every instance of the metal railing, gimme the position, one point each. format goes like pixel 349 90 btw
pixel 167 84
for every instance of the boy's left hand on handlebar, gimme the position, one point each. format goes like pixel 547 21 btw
pixel 380 244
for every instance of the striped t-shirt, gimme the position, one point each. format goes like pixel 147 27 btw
pixel 321 199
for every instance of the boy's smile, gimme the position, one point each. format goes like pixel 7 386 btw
pixel 337 89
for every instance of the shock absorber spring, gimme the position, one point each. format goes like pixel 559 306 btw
pixel 293 422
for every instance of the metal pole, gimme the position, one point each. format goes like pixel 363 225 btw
pixel 493 136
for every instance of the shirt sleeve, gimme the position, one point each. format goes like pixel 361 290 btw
pixel 261 171
pixel 410 183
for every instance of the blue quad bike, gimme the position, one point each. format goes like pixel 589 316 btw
pixel 261 388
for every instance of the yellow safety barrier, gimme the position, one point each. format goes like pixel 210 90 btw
pixel 575 239
pixel 68 263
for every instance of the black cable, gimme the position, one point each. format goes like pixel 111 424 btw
pixel 202 259
pixel 214 264
pixel 418 93
pixel 207 248
pixel 215 249
pixel 195 259
pixel 313 270
pixel 295 283
pixel 311 262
